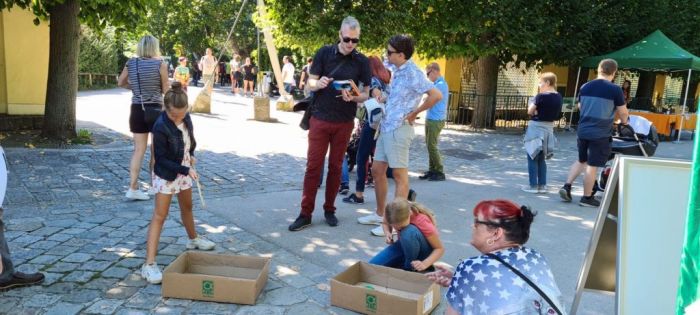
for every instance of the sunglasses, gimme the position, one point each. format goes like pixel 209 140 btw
pixel 428 73
pixel 353 40
pixel 487 223
pixel 389 52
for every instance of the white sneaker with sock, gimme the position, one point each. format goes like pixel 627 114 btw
pixel 372 219
pixel 151 272
pixel 136 195
pixel 200 243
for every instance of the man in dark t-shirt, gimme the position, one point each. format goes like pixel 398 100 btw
pixel 599 101
pixel 333 111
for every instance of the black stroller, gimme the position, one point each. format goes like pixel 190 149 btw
pixel 638 138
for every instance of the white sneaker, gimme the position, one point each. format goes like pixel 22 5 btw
pixel 532 190
pixel 151 273
pixel 136 195
pixel 200 243
pixel 372 219
pixel 378 231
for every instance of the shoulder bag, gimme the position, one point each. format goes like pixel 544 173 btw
pixel 528 281
pixel 307 104
pixel 150 113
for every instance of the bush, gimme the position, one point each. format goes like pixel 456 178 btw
pixel 99 51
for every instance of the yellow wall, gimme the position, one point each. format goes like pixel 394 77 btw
pixel 3 86
pixel 451 69
pixel 26 62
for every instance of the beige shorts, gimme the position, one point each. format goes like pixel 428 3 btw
pixel 392 147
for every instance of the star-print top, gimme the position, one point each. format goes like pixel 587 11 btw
pixel 483 285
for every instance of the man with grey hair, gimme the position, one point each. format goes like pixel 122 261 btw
pixel 332 116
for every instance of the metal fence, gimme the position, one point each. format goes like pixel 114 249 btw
pixel 502 111
pixel 89 80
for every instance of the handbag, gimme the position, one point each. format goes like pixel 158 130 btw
pixel 532 284
pixel 150 113
pixel 307 104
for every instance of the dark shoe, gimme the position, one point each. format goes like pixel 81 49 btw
pixel 589 202
pixel 344 189
pixel 331 219
pixel 354 199
pixel 300 223
pixel 411 195
pixel 425 175
pixel 437 177
pixel 20 279
pixel 565 193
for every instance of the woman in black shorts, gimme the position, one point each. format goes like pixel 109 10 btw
pixel 248 77
pixel 147 77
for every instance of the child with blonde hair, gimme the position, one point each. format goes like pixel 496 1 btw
pixel 418 245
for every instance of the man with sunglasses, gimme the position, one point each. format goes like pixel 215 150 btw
pixel 332 120
pixel 434 122
pixel 406 89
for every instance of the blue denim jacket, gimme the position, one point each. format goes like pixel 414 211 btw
pixel 169 147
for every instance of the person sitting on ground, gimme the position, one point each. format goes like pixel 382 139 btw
pixel 484 283
pixel 174 144
pixel 418 245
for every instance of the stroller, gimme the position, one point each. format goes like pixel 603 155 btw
pixel 638 138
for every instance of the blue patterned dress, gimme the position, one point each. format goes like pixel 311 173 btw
pixel 483 285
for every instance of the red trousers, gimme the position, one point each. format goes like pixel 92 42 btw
pixel 323 134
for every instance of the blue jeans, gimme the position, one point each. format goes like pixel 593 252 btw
pixel 364 149
pixel 537 170
pixel 412 245
pixel 345 173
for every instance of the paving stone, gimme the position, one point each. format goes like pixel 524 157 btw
pixel 308 308
pixel 65 223
pixel 116 222
pixel 64 309
pixel 60 237
pixel 27 239
pixel 85 226
pixel 107 256
pixel 77 257
pixel 29 268
pixel 63 288
pixel 61 250
pixel 121 292
pixel 130 311
pixel 25 225
pixel 73 231
pixel 104 307
pixel 201 307
pixel 45 259
pixel 135 280
pixel 45 245
pixel 116 272
pixel 95 265
pixel 102 284
pixel 143 301
pixel 130 263
pixel 79 276
pixel 91 235
pixel 96 219
pixel 93 249
pixel 319 293
pixel 46 231
pixel 164 260
pixel 51 278
pixel 284 297
pixel 41 300
pixel 176 302
pixel 9 304
pixel 260 310
pixel 77 242
pixel 170 310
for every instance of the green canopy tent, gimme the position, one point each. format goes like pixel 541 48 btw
pixel 655 52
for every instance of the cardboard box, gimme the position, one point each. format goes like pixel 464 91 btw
pixel 371 289
pixel 216 277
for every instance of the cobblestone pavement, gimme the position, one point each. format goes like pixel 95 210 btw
pixel 66 215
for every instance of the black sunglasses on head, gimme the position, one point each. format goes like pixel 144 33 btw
pixel 353 40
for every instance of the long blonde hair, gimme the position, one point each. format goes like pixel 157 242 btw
pixel 401 209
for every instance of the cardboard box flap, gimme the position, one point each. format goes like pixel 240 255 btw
pixel 196 258
pixel 393 278
pixel 224 271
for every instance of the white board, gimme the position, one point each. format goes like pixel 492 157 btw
pixel 653 206
pixel 3 175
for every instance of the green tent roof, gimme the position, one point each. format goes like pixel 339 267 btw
pixel 654 52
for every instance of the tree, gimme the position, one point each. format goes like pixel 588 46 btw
pixel 64 17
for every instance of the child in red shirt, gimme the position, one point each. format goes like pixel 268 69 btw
pixel 418 245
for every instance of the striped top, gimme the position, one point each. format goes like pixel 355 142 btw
pixel 149 86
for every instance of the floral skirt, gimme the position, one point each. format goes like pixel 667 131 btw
pixel 182 182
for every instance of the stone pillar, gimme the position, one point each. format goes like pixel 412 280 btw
pixel 261 107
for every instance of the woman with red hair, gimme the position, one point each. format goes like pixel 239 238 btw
pixel 508 278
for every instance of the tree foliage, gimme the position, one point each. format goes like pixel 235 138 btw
pixel 99 51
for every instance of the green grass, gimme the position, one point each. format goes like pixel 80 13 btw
pixel 84 137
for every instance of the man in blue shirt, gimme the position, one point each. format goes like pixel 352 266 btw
pixel 435 121
pixel 598 102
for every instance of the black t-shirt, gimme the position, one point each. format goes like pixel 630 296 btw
pixel 548 106
pixel 305 69
pixel 327 106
